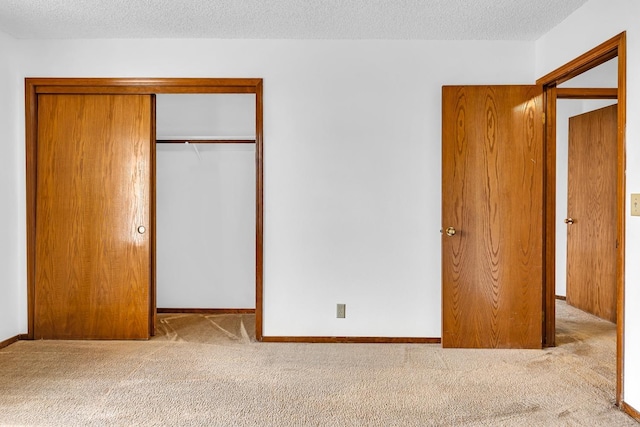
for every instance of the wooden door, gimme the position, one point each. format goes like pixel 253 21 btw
pixel 92 277
pixel 591 216
pixel 492 193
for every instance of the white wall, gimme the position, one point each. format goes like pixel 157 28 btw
pixel 595 22
pixel 205 210
pixel 603 76
pixel 352 162
pixel 12 307
pixel 210 115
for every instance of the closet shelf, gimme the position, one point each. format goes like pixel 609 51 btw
pixel 206 140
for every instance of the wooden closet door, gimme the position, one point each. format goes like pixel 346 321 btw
pixel 93 261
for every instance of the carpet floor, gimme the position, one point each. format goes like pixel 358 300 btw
pixel 208 370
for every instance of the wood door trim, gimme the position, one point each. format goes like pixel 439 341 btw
pixel 353 340
pixel 150 86
pixel 622 184
pixel 205 141
pixel 588 60
pixel 12 340
pixel 208 310
pixel 136 85
pixel 612 48
pixel 549 224
pixel 631 411
pixel 259 209
pixel 587 93
pixel 153 295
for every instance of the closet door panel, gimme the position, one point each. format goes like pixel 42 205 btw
pixel 93 196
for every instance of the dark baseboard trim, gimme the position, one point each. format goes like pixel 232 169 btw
pixel 631 411
pixel 9 341
pixel 208 310
pixel 354 340
pixel 560 297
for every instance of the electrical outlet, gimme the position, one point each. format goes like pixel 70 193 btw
pixel 341 311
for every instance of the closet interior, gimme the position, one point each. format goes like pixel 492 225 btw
pixel 205 201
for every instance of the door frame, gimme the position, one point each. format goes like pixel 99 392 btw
pixel 138 86
pixel 612 48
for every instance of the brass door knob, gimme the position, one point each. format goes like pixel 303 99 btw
pixel 568 221
pixel 450 231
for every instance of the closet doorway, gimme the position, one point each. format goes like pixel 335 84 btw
pixel 205 203
pixel 37 90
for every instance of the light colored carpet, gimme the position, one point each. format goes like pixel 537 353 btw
pixel 207 370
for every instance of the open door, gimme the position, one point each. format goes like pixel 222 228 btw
pixel 492 216
pixel 93 217
pixel 591 216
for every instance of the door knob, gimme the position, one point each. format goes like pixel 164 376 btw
pixel 142 229
pixel 568 221
pixel 450 231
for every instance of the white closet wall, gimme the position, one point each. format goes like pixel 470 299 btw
pixel 205 206
pixel 206 116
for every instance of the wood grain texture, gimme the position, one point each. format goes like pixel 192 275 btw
pixel 31 172
pixel 353 340
pixel 492 194
pixel 631 411
pixel 587 93
pixel 208 310
pixel 592 195
pixel 9 341
pixel 549 243
pixel 94 171
pixel 259 209
pixel 621 220
pixel 146 86
pixel 153 317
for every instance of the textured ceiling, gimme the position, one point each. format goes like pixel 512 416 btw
pixel 285 19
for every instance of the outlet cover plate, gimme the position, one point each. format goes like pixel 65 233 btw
pixel 341 311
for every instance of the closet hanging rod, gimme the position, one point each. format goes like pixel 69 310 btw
pixel 206 141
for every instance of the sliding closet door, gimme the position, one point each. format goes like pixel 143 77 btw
pixel 93 258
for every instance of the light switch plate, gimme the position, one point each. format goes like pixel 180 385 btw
pixel 635 205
